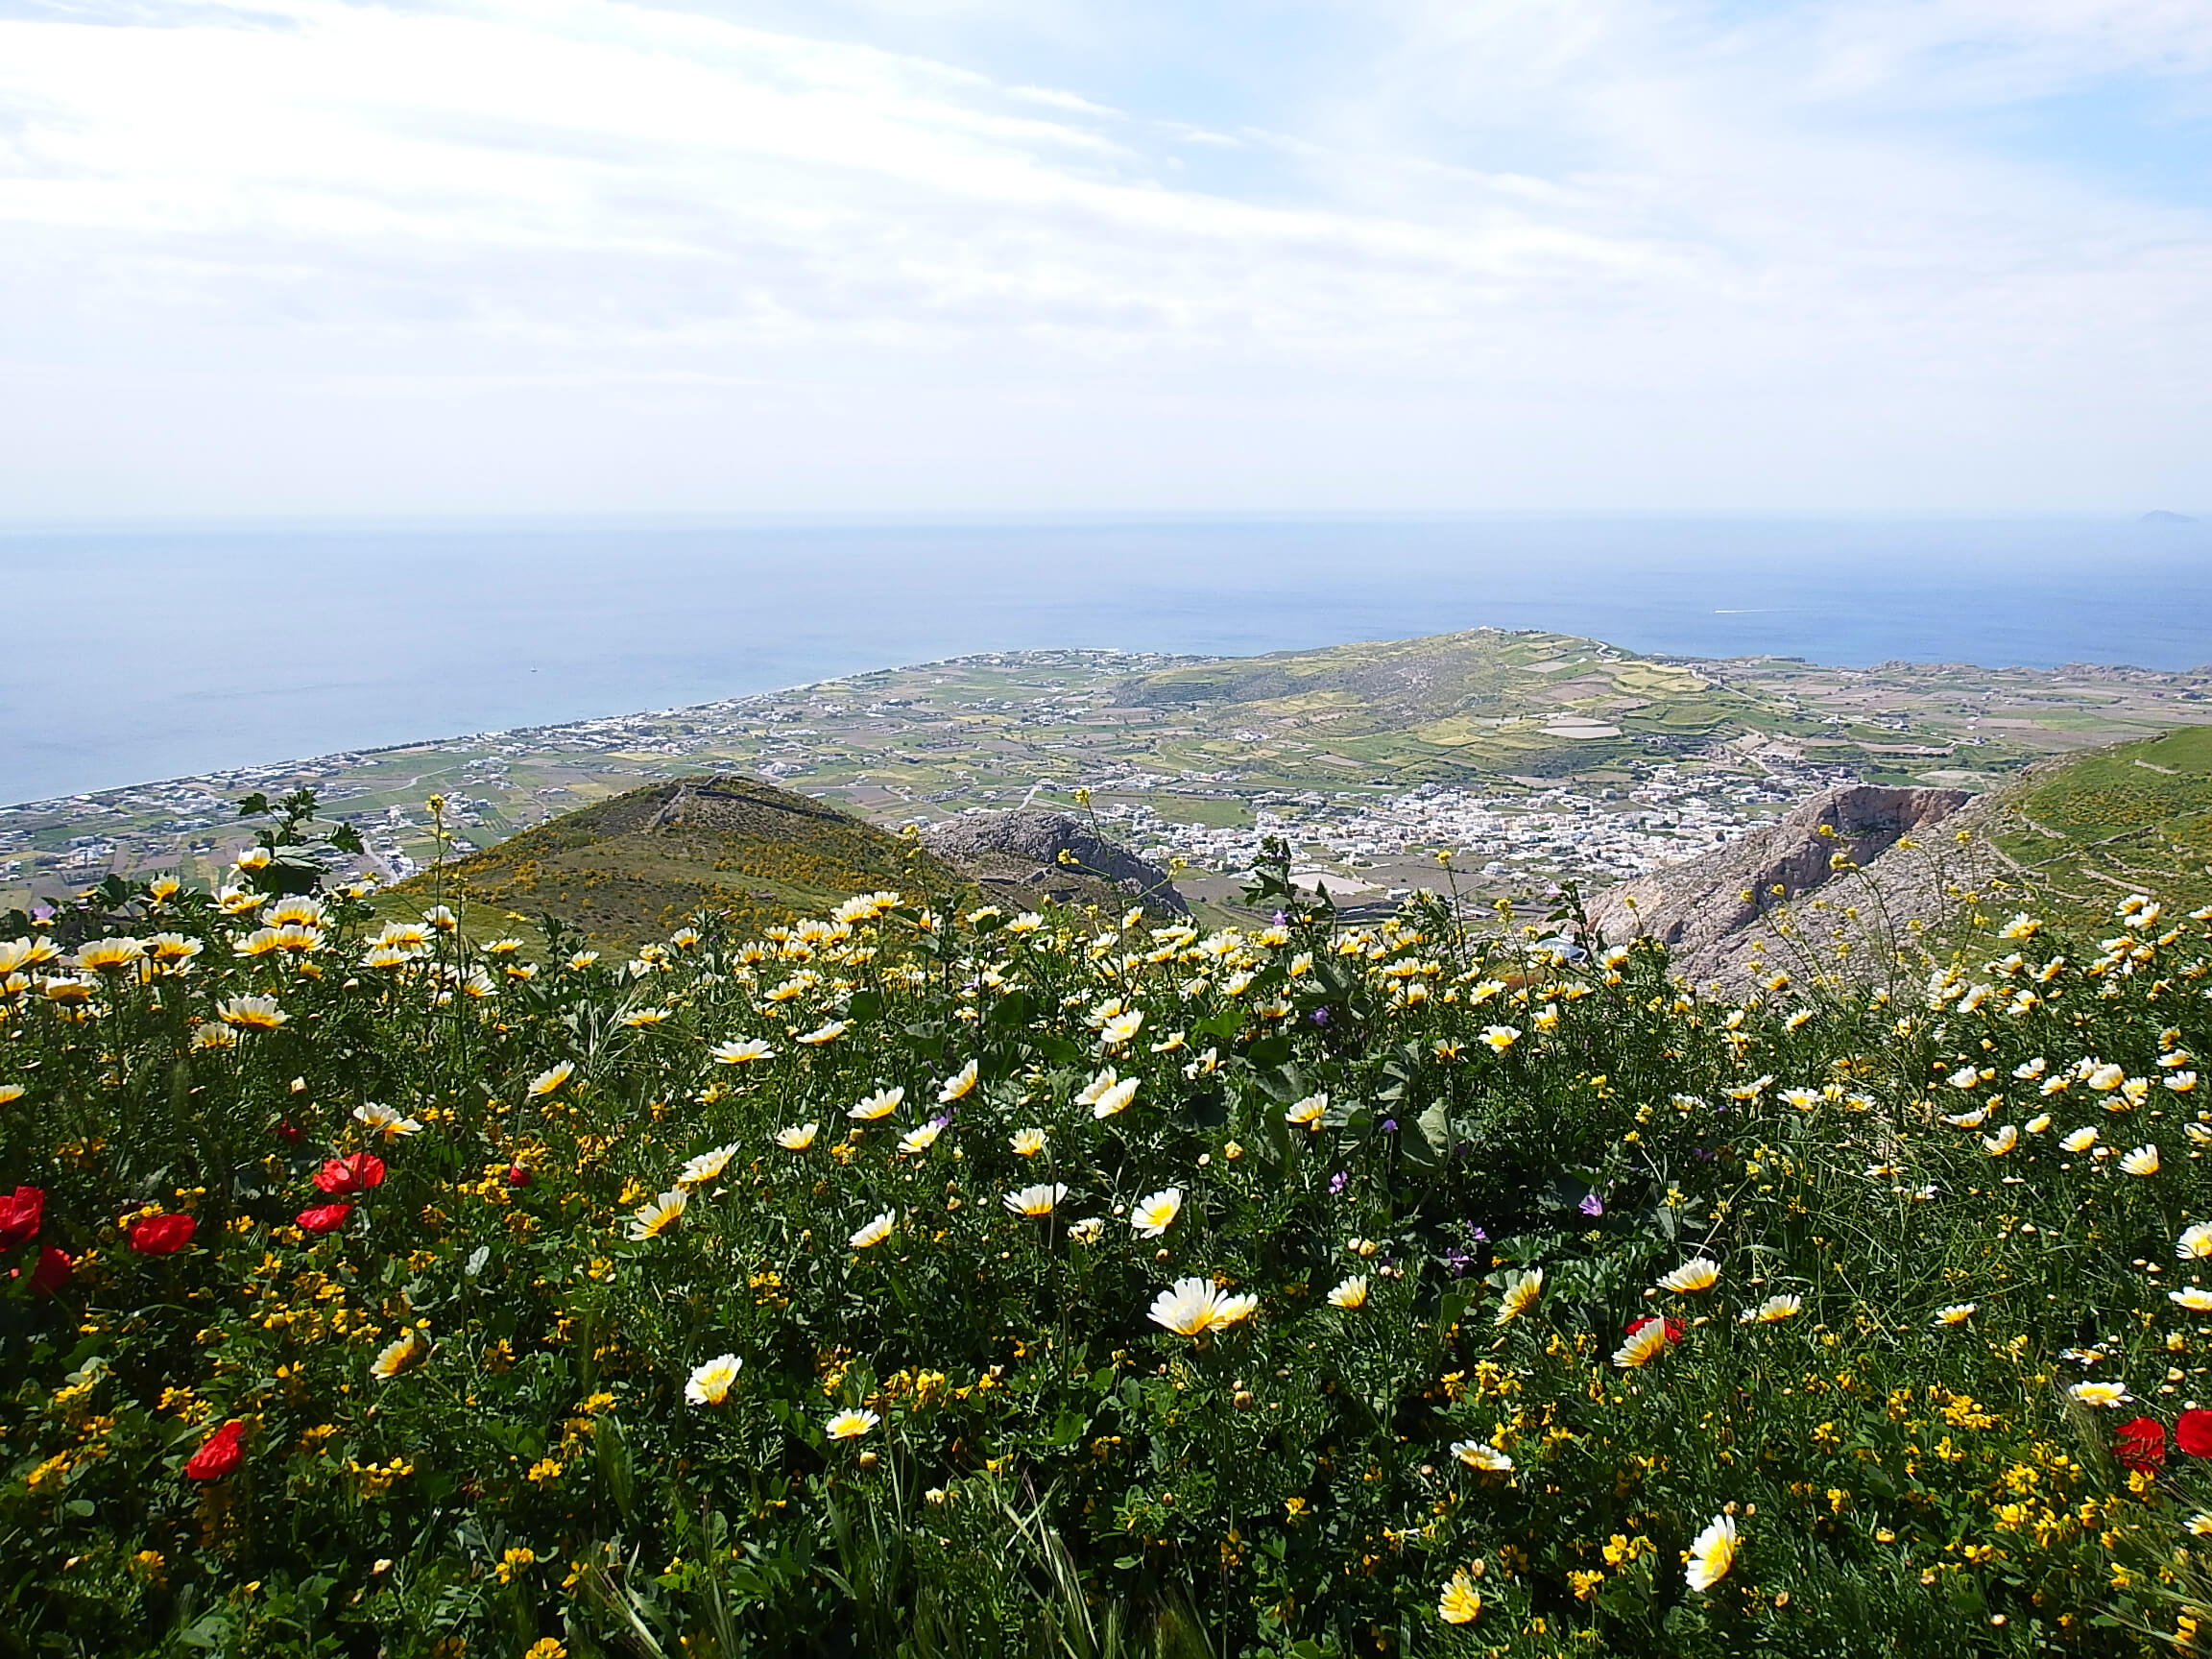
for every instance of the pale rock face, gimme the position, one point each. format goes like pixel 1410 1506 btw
pixel 1698 912
pixel 1016 854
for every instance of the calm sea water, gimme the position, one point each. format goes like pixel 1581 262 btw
pixel 131 657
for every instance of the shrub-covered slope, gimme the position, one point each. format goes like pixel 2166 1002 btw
pixel 912 1280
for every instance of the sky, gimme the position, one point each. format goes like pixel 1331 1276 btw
pixel 316 258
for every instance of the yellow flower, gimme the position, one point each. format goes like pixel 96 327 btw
pixel 1459 1602
pixel 1643 1347
pixel 383 1120
pixel 1307 1112
pixel 1698 1273
pixel 1027 1142
pixel 397 1356
pixel 1712 1553
pixel 252 1013
pixel 1156 1212
pixel 1958 1314
pixel 1119 1029
pixel 798 1138
pixel 105 954
pixel 874 1232
pixel 1520 1290
pixel 1771 1311
pixel 1116 1098
pixel 550 1079
pixel 711 1383
pixel 850 1425
pixel 2001 1143
pixel 881 1104
pixel 921 1139
pixel 822 1034
pixel 1477 1456
pixel 958 1086
pixel 1350 1293
pixel 2142 1161
pixel 2193 1298
pixel 1034 1201
pixel 742 1050
pixel 2081 1141
pixel 657 1218
pixel 2196 1241
pixel 1499 1038
pixel 2100 1393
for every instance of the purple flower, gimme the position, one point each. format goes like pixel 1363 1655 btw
pixel 1475 1236
pixel 1459 1260
pixel 1320 1015
pixel 1705 1156
pixel 1389 1126
pixel 1593 1205
pixel 1281 920
pixel 1336 1185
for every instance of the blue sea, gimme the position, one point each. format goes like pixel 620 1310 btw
pixel 147 654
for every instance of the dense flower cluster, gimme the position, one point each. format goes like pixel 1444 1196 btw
pixel 912 1269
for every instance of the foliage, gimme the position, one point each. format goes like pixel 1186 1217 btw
pixel 434 1370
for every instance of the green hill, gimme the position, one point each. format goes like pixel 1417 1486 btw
pixel 627 869
pixel 2134 816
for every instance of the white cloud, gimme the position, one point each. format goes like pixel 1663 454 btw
pixel 581 253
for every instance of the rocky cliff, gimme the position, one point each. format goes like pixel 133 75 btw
pixel 1026 856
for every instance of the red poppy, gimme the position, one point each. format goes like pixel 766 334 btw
pixel 1675 1328
pixel 2193 1432
pixel 325 1217
pixel 52 1271
pixel 224 1450
pixel 355 1172
pixel 161 1235
pixel 287 1130
pixel 2140 1445
pixel 20 1213
pixel 517 1176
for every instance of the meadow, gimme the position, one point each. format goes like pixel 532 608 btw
pixel 921 1279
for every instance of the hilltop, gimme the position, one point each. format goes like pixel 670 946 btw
pixel 627 869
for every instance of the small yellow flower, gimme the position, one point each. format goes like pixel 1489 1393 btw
pixel 1712 1553
pixel 1350 1293
pixel 1698 1273
pixel 798 1138
pixel 850 1425
pixel 876 1231
pixel 881 1104
pixel 1459 1602
pixel 551 1078
pixel 1520 1290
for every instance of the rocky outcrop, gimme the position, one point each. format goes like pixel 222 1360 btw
pixel 1715 913
pixel 1025 856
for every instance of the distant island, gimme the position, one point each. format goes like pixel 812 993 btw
pixel 2159 516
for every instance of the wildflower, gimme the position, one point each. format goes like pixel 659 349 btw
pixel 355 1172
pixel 252 1013
pixel 922 1138
pixel 1350 1293
pixel 517 1176
pixel 1498 1038
pixel 161 1235
pixel 2106 1078
pixel 1477 1456
pixel 958 1086
pixel 1362 1247
pixel 105 955
pixel 1648 1338
pixel 1459 1602
pixel 822 1034
pixel 1156 1212
pixel 550 1079
pixel 798 1138
pixel 1192 1307
pixel 1034 1201
pixel 2081 1139
pixel 742 1051
pixel 1771 1311
pixel 2196 1241
pixel 383 1120
pixel 21 1215
pixel 643 1018
pixel 2139 1444
pixel 2022 926
pixel 1087 1231
pixel 2193 1432
pixel 1520 1290
pixel 2182 1082
pixel 2105 1394
pixel 219 1454
pixel 2192 1297
pixel 709 1384
pixel 874 1232
pixel 397 1356
pixel 2142 1161
pixel 1712 1553
pixel 850 1425
pixel 1116 1098
pixel 324 1218
pixel 1307 1112
pixel 1119 1029
pixel 52 1271
pixel 653 1220
pixel 1699 1273
pixel 698 1171
pixel 1027 1142
pixel 2001 1143
pixel 881 1104
pixel 1958 1314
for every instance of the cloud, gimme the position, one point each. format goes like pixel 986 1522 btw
pixel 582 252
